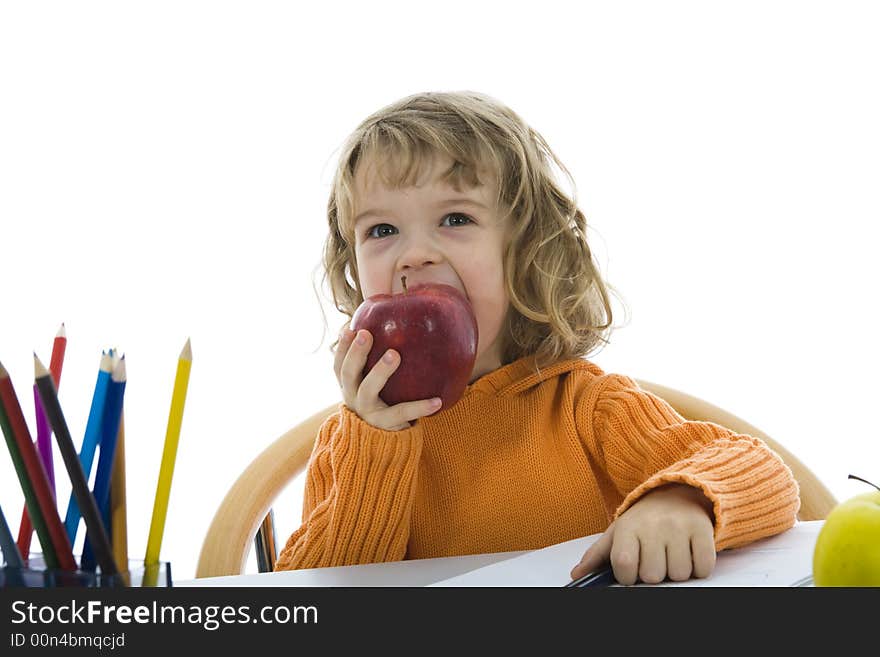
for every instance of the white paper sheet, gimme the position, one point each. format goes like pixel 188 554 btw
pixel 415 572
pixel 780 560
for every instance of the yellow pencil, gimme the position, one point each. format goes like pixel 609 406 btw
pixel 169 453
pixel 118 522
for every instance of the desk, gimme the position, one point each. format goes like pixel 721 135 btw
pixel 782 560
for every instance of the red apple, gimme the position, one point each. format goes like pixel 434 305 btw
pixel 433 328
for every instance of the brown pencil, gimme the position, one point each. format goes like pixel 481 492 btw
pixel 119 521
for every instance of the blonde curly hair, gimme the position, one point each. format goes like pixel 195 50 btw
pixel 559 304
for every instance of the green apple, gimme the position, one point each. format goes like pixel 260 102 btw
pixel 847 551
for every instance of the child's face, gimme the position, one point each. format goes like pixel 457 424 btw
pixel 432 233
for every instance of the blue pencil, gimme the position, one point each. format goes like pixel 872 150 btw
pixel 10 549
pixel 109 434
pixel 90 440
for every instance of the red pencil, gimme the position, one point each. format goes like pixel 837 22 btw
pixel 57 360
pixel 36 473
pixel 44 439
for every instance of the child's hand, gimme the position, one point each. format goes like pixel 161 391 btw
pixel 361 393
pixel 667 533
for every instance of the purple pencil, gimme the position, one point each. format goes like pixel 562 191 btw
pixel 44 440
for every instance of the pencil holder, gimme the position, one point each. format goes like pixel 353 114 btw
pixel 34 574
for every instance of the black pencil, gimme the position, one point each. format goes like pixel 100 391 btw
pixel 597 578
pixel 84 498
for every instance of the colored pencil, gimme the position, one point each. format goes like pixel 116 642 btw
pixel 56 363
pixel 11 555
pixel 44 441
pixel 86 502
pixel 90 440
pixel 106 513
pixel 597 578
pixel 21 472
pixel 109 434
pixel 44 438
pixel 119 522
pixel 57 359
pixel 56 546
pixel 169 454
pixel 25 526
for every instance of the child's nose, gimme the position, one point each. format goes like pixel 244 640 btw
pixel 419 253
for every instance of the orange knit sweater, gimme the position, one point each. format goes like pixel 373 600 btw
pixel 525 459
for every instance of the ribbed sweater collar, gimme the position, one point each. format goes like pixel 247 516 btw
pixel 522 374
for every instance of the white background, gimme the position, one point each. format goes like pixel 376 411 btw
pixel 165 166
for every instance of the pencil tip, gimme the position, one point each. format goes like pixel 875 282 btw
pixel 62 332
pixel 186 353
pixel 39 368
pixel 3 372
pixel 114 357
pixel 119 374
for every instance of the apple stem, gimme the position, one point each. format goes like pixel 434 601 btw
pixel 865 480
pixel 403 280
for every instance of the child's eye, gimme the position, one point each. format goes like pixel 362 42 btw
pixel 384 230
pixel 381 230
pixel 457 219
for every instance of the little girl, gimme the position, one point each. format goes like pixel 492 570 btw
pixel 543 446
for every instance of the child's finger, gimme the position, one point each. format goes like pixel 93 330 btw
pixel 679 563
pixel 703 551
pixel 401 414
pixel 652 561
pixel 625 556
pixel 595 557
pixel 377 377
pixel 346 335
pixel 353 365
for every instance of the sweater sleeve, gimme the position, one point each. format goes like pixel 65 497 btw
pixel 358 496
pixel 644 444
